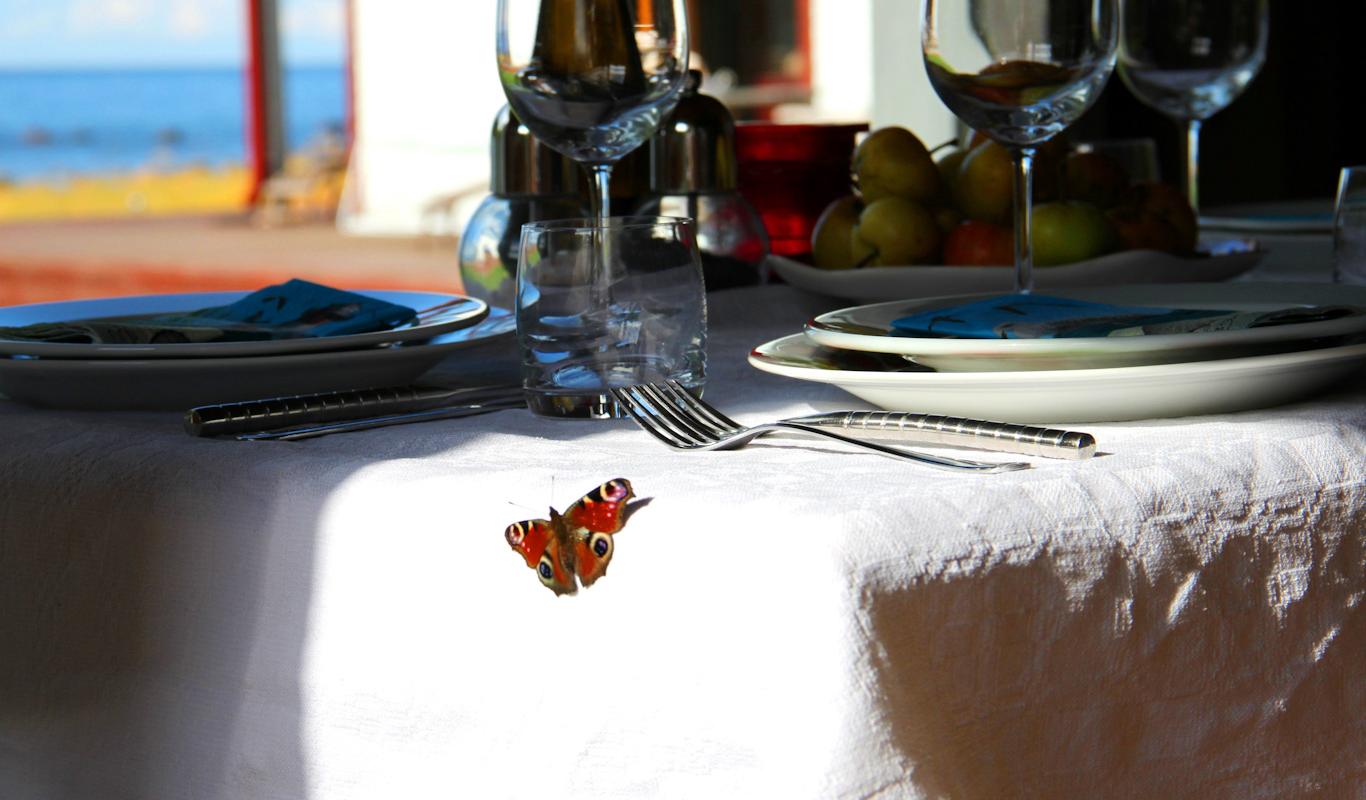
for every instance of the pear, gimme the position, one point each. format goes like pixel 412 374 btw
pixel 894 231
pixel 892 162
pixel 832 239
pixel 948 165
pixel 984 188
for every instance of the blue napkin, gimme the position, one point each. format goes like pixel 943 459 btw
pixel 290 310
pixel 301 308
pixel 1034 316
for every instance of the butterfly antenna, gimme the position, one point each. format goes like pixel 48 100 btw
pixel 522 507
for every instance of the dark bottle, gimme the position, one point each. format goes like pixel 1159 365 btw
pixel 585 89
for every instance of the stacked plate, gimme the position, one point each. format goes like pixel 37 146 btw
pixel 180 375
pixel 1085 379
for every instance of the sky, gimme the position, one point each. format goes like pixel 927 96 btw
pixel 38 34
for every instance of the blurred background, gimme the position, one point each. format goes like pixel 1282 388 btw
pixel 180 145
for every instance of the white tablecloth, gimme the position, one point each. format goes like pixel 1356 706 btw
pixel 1182 617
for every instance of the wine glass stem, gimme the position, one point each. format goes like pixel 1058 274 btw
pixel 1193 164
pixel 602 191
pixel 1024 245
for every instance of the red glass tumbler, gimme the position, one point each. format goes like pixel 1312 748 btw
pixel 790 173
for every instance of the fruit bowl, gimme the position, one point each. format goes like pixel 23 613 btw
pixel 1217 261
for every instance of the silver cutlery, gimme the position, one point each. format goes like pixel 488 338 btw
pixel 934 429
pixel 347 426
pixel 671 414
pixel 331 407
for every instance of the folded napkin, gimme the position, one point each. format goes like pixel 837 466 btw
pixel 1031 316
pixel 291 310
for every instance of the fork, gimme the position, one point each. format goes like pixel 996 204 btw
pixel 671 414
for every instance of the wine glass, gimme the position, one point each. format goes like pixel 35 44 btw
pixel 1189 59
pixel 1020 71
pixel 593 78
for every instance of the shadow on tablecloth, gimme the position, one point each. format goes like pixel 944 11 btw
pixel 1217 676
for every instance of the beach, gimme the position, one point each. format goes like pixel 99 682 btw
pixel 82 143
pixel 192 190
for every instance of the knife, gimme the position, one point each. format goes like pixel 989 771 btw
pixel 287 412
pixel 368 423
pixel 933 429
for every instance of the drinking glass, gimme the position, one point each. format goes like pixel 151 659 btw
pixel 1189 59
pixel 1349 227
pixel 1020 71
pixel 607 305
pixel 593 78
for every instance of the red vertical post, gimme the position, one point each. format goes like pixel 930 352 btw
pixel 801 13
pixel 265 123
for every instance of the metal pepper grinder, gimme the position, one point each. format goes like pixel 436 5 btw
pixel 693 174
pixel 530 182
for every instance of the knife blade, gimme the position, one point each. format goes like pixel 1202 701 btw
pixel 368 423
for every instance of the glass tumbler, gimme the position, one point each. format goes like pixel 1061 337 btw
pixel 1349 227
pixel 603 306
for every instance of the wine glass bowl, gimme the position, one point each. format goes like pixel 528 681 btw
pixel 1020 71
pixel 1189 59
pixel 592 78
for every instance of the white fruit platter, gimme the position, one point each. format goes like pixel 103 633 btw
pixel 1217 262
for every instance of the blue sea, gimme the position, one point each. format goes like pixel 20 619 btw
pixel 56 123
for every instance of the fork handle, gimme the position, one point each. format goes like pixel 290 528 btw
pixel 933 429
pixel 928 459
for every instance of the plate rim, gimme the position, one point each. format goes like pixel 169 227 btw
pixel 1341 352
pixel 274 348
pixel 450 340
pixel 1053 348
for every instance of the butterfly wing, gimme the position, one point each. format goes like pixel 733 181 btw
pixel 545 550
pixel 590 524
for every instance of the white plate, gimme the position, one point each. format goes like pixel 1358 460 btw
pixel 868 328
pixel 1066 396
pixel 179 383
pixel 462 312
pixel 872 284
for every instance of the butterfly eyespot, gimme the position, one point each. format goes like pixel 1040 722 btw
pixel 514 535
pixel 545 571
pixel 600 544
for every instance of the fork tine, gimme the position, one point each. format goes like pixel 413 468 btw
pixel 701 407
pixel 661 399
pixel 647 420
pixel 660 419
pixel 695 430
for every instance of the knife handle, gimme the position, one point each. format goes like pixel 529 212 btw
pixel 1001 437
pixel 281 412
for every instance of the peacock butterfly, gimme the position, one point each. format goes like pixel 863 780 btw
pixel 575 544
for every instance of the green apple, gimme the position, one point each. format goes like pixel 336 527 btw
pixel 892 162
pixel 1068 231
pixel 895 231
pixel 833 236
